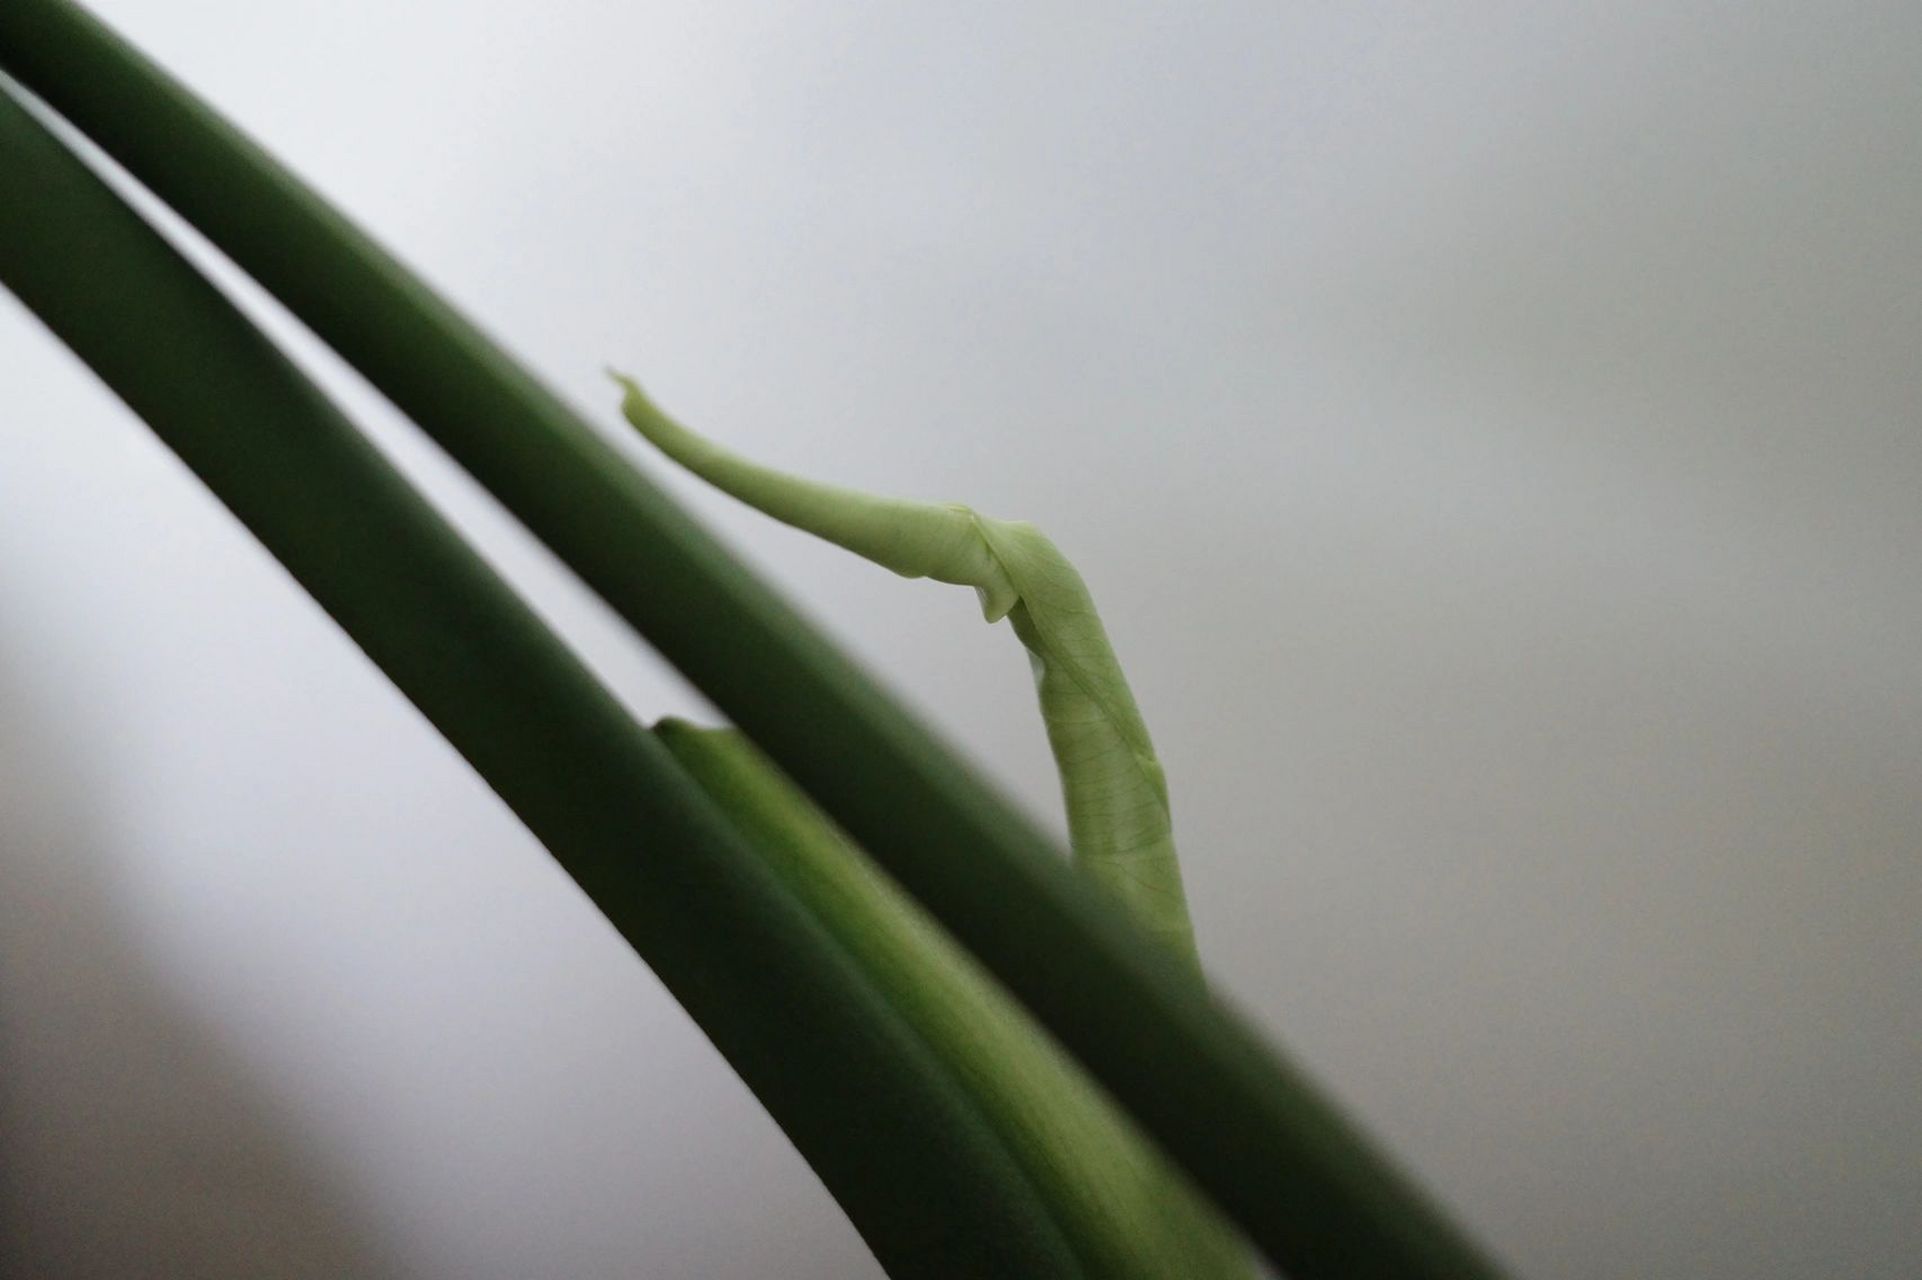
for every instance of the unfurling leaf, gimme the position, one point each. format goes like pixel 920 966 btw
pixel 1119 824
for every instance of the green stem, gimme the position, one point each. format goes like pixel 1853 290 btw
pixel 1125 1211
pixel 1311 1192
pixel 932 1189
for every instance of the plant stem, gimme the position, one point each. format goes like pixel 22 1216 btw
pixel 1125 1210
pixel 932 1189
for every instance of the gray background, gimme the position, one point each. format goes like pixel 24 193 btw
pixel 1492 431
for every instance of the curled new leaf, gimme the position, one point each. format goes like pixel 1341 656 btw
pixel 1117 800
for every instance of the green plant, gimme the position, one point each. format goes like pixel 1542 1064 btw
pixel 926 1176
pixel 1126 1214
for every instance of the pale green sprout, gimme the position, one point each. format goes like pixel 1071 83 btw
pixel 1119 826
pixel 1126 1212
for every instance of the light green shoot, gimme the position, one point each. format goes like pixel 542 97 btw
pixel 1125 1212
pixel 1119 826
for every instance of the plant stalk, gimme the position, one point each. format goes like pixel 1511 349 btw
pixel 932 1189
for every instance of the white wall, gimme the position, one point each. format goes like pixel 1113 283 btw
pixel 1494 433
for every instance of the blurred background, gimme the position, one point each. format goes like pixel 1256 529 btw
pixel 1493 431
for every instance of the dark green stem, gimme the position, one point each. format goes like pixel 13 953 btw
pixel 932 1189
